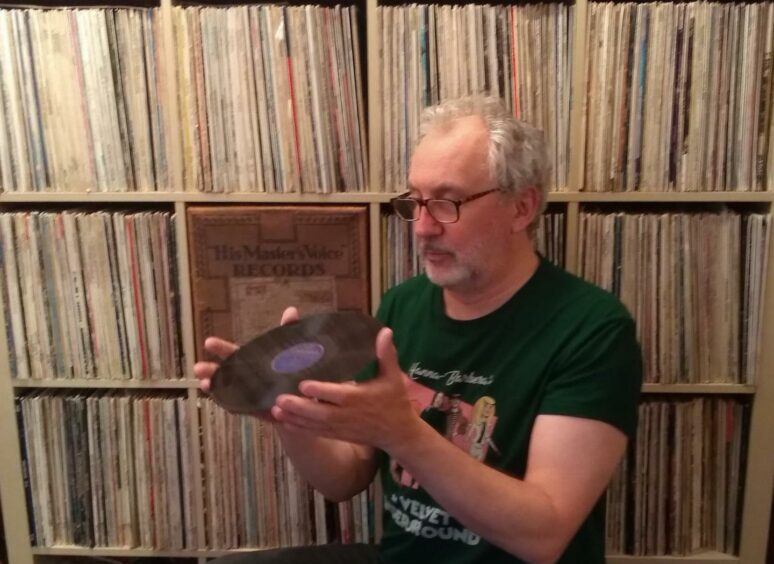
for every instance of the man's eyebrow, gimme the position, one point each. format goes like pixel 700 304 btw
pixel 438 191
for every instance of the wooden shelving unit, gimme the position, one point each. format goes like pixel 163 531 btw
pixel 760 462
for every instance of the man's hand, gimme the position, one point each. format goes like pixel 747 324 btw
pixel 204 370
pixel 337 469
pixel 376 412
pixel 222 349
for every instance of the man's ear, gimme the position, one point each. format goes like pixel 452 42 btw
pixel 526 207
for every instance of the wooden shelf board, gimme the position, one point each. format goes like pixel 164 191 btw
pixel 703 557
pixel 362 197
pixel 59 4
pixel 108 384
pixel 656 197
pixel 135 552
pixel 698 389
pixel 192 197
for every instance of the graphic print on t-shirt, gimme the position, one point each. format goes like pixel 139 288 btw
pixel 467 426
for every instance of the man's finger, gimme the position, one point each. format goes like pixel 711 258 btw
pixel 331 392
pixel 205 369
pixel 219 347
pixel 290 315
pixel 305 407
pixel 298 421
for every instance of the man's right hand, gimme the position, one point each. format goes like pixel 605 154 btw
pixel 218 348
pixel 221 349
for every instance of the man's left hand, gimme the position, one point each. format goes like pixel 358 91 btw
pixel 375 412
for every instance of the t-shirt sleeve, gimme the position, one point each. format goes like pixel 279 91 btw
pixel 599 377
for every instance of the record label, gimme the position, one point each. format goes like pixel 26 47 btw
pixel 297 357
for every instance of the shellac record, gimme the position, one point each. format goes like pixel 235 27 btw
pixel 331 347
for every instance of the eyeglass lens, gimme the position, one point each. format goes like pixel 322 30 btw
pixel 444 211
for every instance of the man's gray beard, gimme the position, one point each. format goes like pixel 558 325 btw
pixel 456 277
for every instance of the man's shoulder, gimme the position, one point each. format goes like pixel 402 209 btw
pixel 576 296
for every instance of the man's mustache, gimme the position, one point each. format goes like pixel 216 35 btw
pixel 425 247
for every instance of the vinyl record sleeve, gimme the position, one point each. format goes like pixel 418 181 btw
pixel 249 263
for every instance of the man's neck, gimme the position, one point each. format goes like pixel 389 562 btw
pixel 472 304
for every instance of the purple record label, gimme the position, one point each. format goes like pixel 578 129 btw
pixel 297 357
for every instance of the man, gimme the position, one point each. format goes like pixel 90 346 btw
pixel 556 359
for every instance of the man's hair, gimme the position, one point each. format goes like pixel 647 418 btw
pixel 517 151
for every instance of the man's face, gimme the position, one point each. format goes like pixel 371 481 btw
pixel 453 163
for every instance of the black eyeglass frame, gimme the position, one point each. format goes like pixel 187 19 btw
pixel 421 202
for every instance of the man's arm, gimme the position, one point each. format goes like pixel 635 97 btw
pixel 337 469
pixel 570 460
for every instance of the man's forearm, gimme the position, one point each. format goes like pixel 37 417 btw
pixel 337 469
pixel 570 463
pixel 516 516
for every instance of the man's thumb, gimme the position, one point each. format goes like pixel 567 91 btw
pixel 290 315
pixel 385 351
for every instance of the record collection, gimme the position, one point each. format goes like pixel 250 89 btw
pixel 679 489
pixel 293 71
pixel 255 498
pixel 105 469
pixel 675 97
pixel 429 53
pixel 696 324
pixel 91 295
pixel 679 97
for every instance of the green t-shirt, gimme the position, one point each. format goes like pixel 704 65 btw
pixel 559 346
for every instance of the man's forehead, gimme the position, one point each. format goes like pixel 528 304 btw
pixel 451 160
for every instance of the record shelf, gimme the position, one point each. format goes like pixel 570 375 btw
pixel 573 199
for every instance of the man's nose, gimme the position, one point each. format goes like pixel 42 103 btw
pixel 426 225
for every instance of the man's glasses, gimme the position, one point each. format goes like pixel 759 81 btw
pixel 442 210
